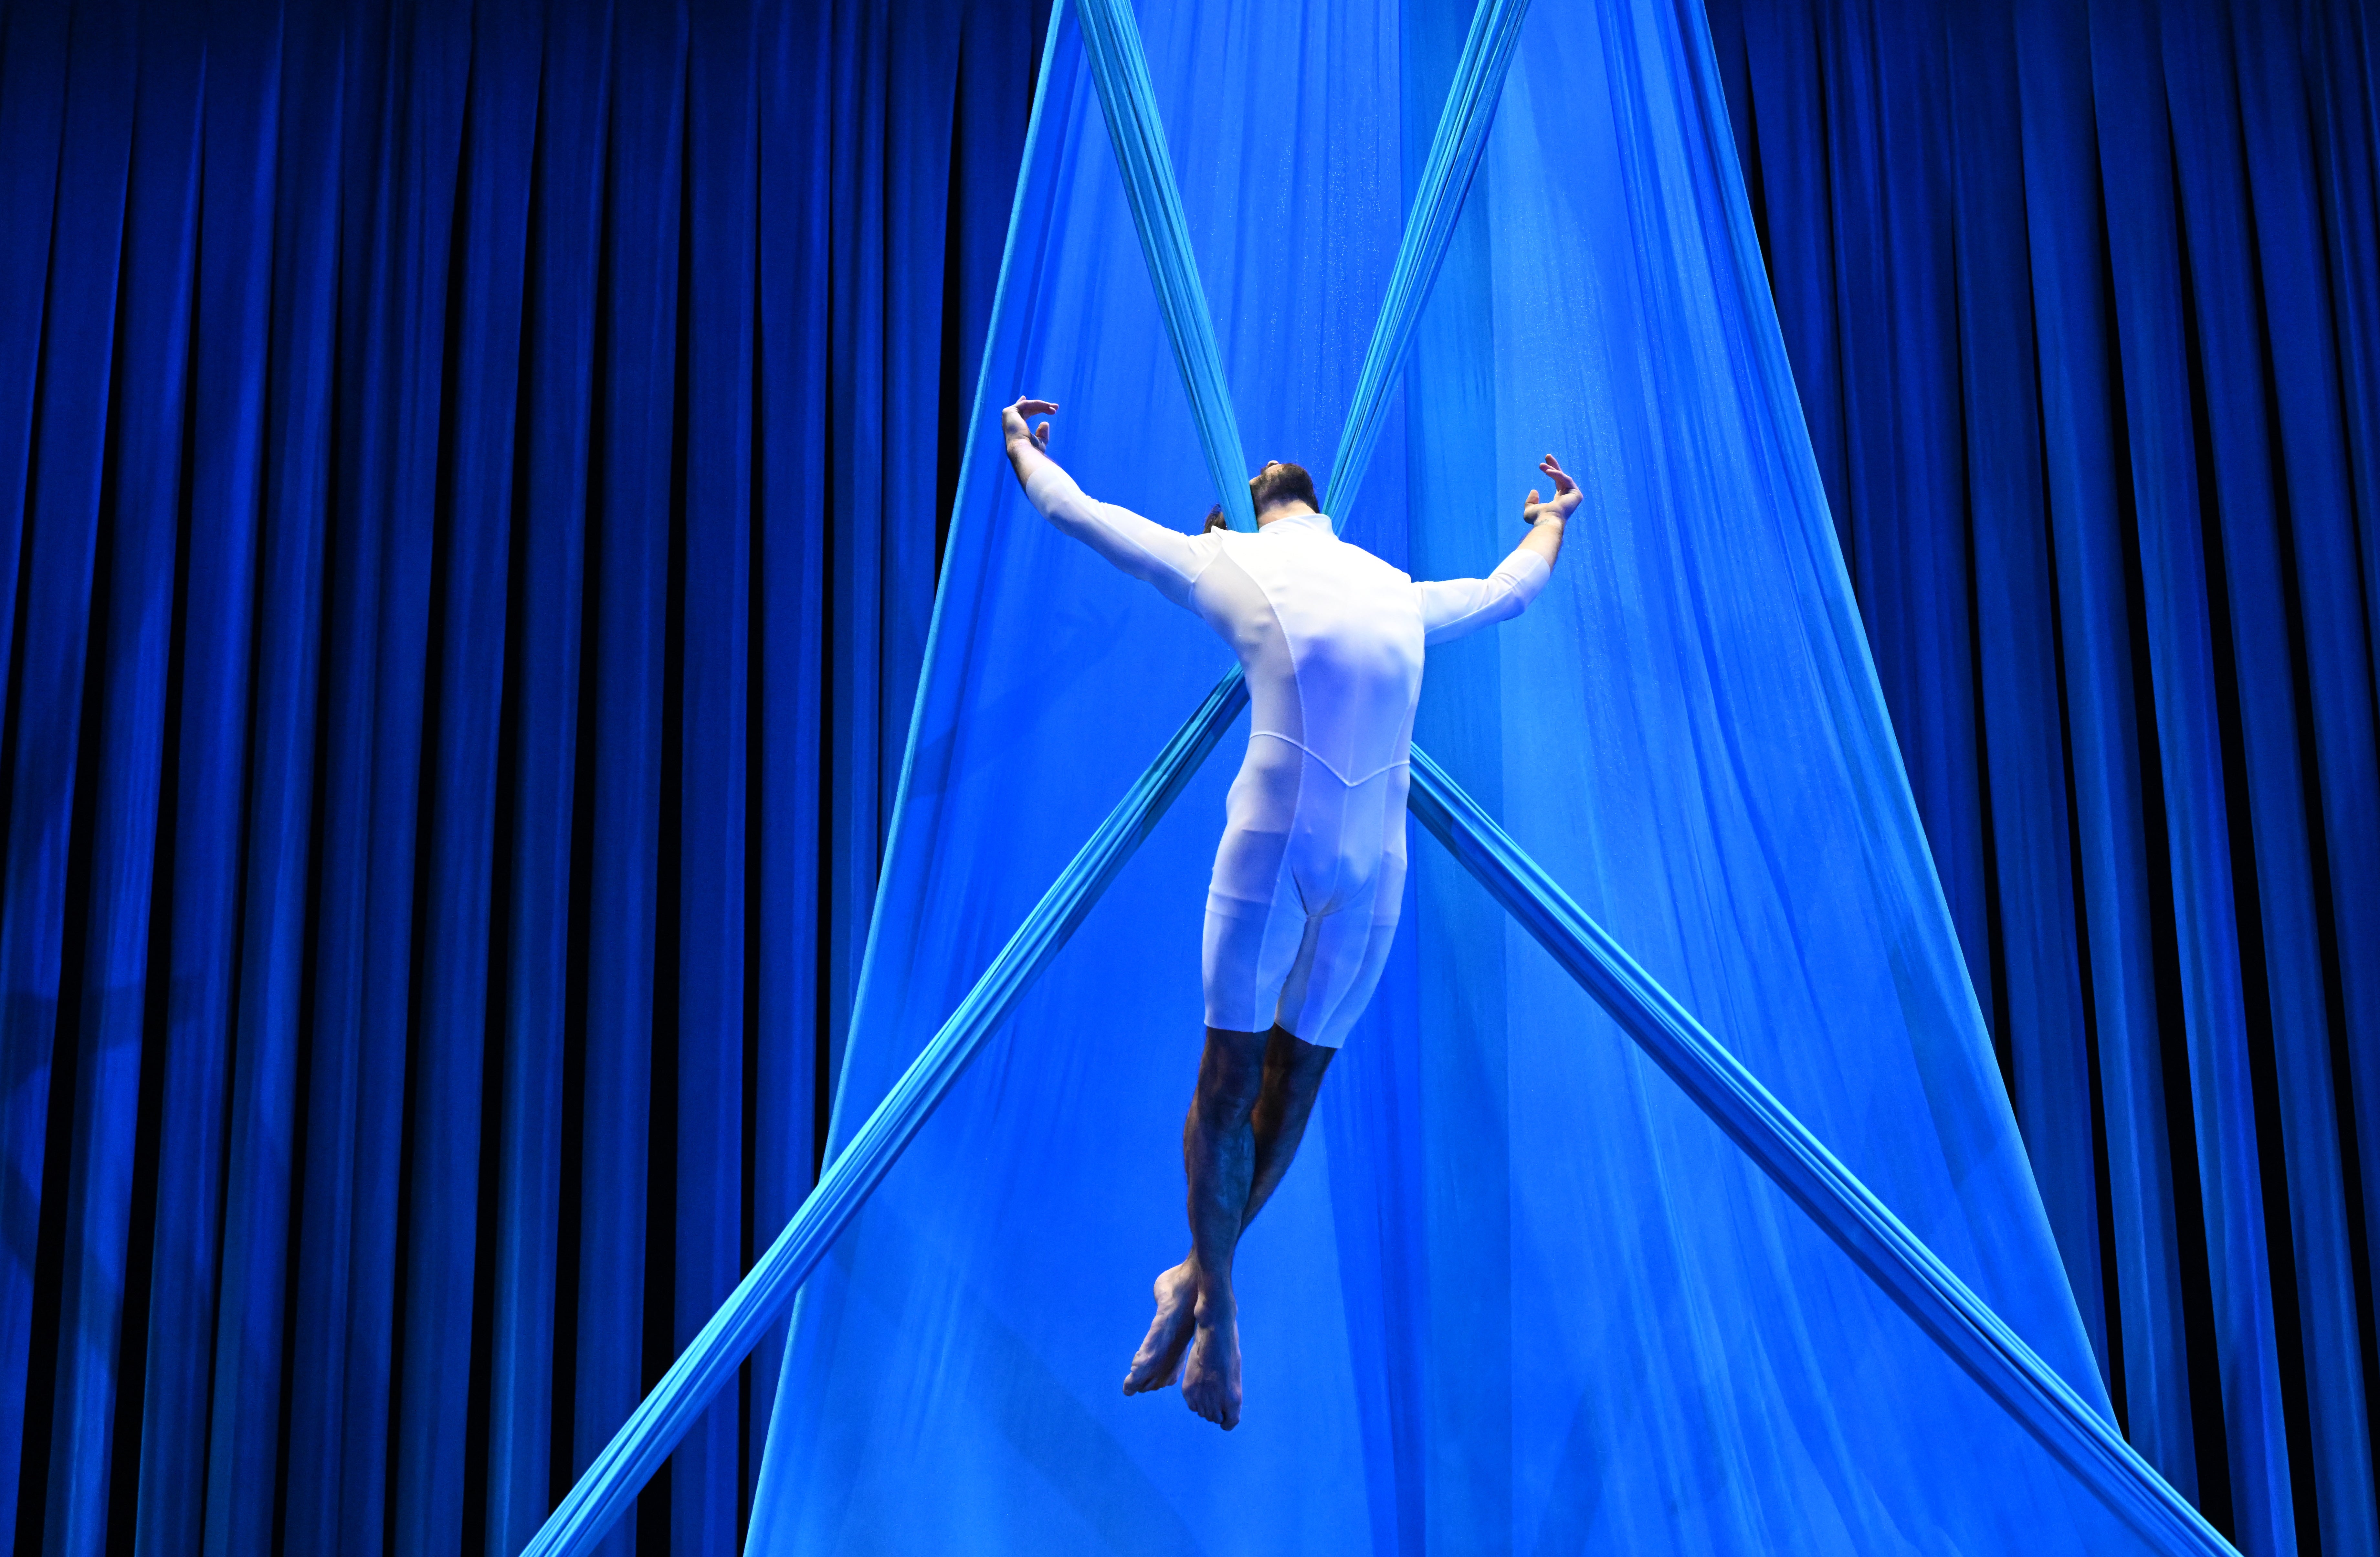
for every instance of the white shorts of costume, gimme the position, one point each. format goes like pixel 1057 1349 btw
pixel 1304 902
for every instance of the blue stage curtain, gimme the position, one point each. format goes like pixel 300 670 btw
pixel 470 478
pixel 2082 302
pixel 468 494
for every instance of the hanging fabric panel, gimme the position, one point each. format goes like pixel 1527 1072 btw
pixel 1432 213
pixel 2065 1423
pixel 1122 75
pixel 654 1431
pixel 964 1323
pixel 1941 1305
pixel 1322 174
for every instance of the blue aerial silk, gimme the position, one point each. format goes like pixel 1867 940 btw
pixel 2066 1423
pixel 653 1430
pixel 1522 1294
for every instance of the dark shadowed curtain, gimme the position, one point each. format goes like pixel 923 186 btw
pixel 468 482
pixel 2084 306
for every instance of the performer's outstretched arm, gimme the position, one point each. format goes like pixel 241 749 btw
pixel 1140 547
pixel 1453 607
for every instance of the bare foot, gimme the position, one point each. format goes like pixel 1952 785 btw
pixel 1210 1379
pixel 1160 1357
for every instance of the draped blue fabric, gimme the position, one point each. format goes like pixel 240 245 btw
pixel 2127 362
pixel 1111 42
pixel 2075 1431
pixel 955 1331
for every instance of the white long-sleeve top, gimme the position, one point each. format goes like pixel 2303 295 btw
pixel 1330 637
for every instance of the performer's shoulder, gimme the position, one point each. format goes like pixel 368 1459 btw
pixel 1379 567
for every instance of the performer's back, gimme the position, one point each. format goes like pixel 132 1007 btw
pixel 1309 876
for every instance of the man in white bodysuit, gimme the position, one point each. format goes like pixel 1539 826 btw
pixel 1309 877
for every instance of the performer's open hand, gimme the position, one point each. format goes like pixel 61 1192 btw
pixel 1566 494
pixel 1014 426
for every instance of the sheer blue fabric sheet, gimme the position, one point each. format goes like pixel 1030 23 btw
pixel 1517 1293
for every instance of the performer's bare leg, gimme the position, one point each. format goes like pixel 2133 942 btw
pixel 1255 1092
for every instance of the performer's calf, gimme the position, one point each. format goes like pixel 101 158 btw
pixel 1292 1079
pixel 1255 1092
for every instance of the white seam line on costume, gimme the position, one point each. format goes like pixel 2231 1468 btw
pixel 1328 765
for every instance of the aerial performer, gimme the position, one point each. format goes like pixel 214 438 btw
pixel 1309 877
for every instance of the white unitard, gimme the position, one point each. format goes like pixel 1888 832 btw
pixel 1310 875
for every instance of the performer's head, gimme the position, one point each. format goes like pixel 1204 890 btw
pixel 1284 487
